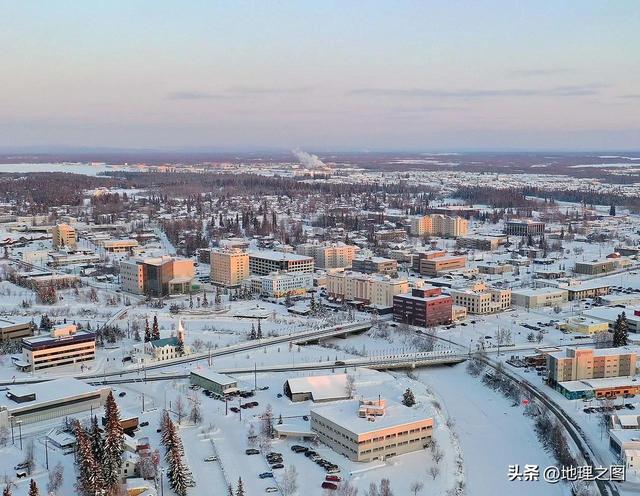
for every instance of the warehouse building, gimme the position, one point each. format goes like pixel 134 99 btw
pixel 49 400
pixel 218 384
pixel 317 388
pixel 539 298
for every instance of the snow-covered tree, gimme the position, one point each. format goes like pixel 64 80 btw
pixel 113 444
pixel 155 331
pixel 89 482
pixel 195 416
pixel 385 488
pixel 416 487
pixel 407 398
pixel 289 481
pixel 620 331
pixel 56 476
pixel 33 488
pixel 240 488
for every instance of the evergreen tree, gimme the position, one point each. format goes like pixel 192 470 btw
pixel 240 488
pixel 97 444
pixel 612 210
pixel 113 444
pixel 177 473
pixel 205 302
pixel 33 489
pixel 408 399
pixel 7 490
pixel 89 481
pixel 620 331
pixel 252 335
pixel 155 333
pixel 147 331
pixel 259 332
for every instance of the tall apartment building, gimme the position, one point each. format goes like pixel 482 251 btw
pixel 371 289
pixel 575 364
pixel 158 276
pixel 328 255
pixel 439 225
pixel 375 265
pixel 424 307
pixel 64 236
pixel 481 299
pixel 229 267
pixel 524 228
pixel 367 430
pixel 265 262
pixel 65 345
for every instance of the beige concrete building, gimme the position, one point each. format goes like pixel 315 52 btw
pixel 229 267
pixel 157 276
pixel 375 265
pixel 65 345
pixel 368 430
pixel 434 267
pixel 329 255
pixel 598 266
pixel 264 262
pixel 538 298
pixel 584 325
pixel 575 364
pixel 118 245
pixel 371 289
pixel 132 276
pixel 481 243
pixel 481 299
pixel 64 236
pixel 439 225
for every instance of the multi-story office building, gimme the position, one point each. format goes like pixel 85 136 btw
pixel 424 307
pixel 159 276
pixel 265 262
pixel 64 236
pixel 481 299
pixel 600 266
pixel 481 243
pixel 229 267
pixel 12 331
pixel 367 430
pixel 524 228
pixel 280 284
pixel 575 364
pixel 439 225
pixel 539 297
pixel 65 345
pixel 376 290
pixel 329 255
pixel 436 266
pixel 375 265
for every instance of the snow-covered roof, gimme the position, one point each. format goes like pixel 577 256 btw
pixel 46 392
pixel 345 414
pixel 321 387
pixel 223 380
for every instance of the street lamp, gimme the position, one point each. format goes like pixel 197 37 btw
pixel 20 429
pixel 161 482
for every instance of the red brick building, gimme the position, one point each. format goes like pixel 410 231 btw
pixel 423 307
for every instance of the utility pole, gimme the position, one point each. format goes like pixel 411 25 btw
pixel 46 451
pixel 255 377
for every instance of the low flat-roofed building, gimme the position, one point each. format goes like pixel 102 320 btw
pixel 369 430
pixel 495 268
pixel 317 388
pixel 610 387
pixel 215 382
pixel 482 243
pixel 525 227
pixel 596 267
pixel 119 245
pixel 50 400
pixel 434 267
pixel 373 265
pixel 577 290
pixel 539 297
pixel 585 325
pixel 610 314
pixel 481 299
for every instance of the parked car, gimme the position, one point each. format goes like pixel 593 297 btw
pixel 277 466
pixel 333 478
pixel 329 485
pixel 252 451
pixel 234 409
pixel 211 459
pixel 144 424
pixel 21 474
pixel 271 489
pixel 266 475
pixel 122 394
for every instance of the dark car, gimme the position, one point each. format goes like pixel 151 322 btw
pixel 304 417
pixel 277 466
pixel 266 475
pixel 296 448
pixel 329 485
pixel 234 409
pixel 252 451
pixel 144 424
pixel 122 394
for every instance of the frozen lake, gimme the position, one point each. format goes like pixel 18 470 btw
pixel 76 168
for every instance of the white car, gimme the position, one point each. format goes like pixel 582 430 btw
pixel 211 459
pixel 271 489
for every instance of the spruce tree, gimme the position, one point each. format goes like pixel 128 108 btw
pixel 240 488
pixel 155 333
pixel 7 490
pixel 147 331
pixel 252 335
pixel 259 332
pixel 408 399
pixel 113 444
pixel 97 444
pixel 620 331
pixel 89 481
pixel 33 488
pixel 177 472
